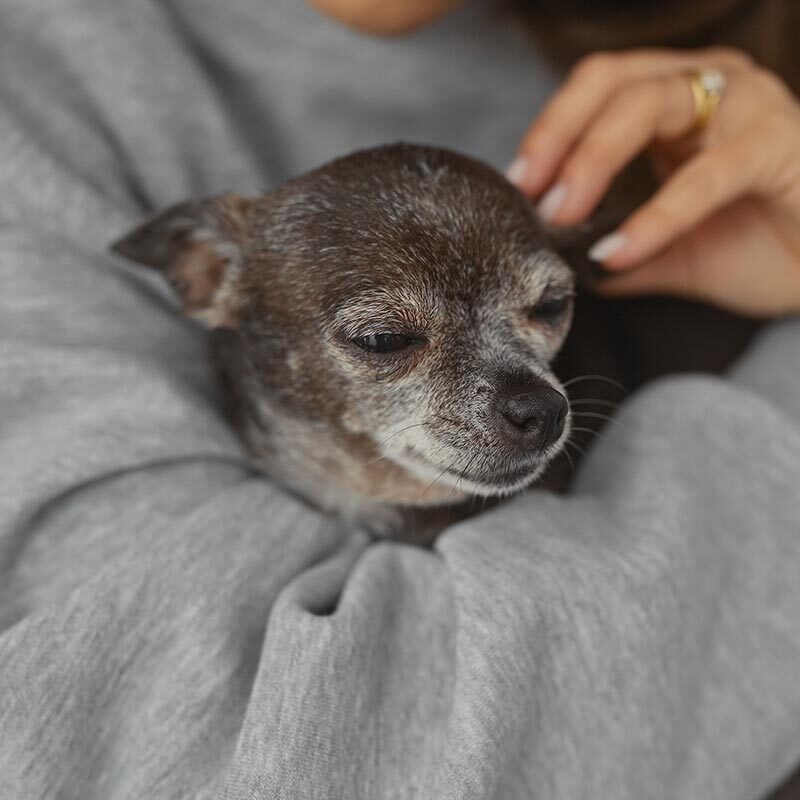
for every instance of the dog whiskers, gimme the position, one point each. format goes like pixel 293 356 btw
pixel 594 402
pixel 430 485
pixel 602 378
pixel 571 443
pixel 391 436
pixel 565 452
pixel 464 472
pixel 586 430
pixel 596 415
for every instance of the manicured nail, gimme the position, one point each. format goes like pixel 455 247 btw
pixel 607 246
pixel 552 202
pixel 517 170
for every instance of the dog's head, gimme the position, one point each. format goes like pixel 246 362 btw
pixel 393 315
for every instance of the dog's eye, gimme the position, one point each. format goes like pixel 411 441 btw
pixel 385 342
pixel 549 309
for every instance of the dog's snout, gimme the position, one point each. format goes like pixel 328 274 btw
pixel 534 417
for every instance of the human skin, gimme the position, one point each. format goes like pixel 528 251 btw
pixel 385 17
pixel 725 225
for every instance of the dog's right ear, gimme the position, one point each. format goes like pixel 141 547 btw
pixel 634 186
pixel 198 247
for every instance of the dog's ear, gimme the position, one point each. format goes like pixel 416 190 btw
pixel 198 247
pixel 630 189
pixel 573 244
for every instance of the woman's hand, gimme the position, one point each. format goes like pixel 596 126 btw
pixel 725 225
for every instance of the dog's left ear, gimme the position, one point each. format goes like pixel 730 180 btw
pixel 573 244
pixel 198 246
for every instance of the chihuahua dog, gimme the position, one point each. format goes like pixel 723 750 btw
pixel 385 327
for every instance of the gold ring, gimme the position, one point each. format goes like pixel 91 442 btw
pixel 708 86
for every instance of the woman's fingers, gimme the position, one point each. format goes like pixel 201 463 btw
pixel 565 117
pixel 669 273
pixel 587 90
pixel 730 198
pixel 729 260
pixel 705 184
pixel 636 115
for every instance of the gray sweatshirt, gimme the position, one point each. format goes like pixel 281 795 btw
pixel 174 626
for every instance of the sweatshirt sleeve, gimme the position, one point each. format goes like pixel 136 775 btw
pixel 173 625
pixel 138 550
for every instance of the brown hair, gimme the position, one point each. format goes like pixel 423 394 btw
pixel 568 29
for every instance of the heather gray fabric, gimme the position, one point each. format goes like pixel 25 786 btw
pixel 165 614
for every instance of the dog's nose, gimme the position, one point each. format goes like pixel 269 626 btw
pixel 534 418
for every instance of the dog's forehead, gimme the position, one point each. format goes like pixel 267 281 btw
pixel 414 218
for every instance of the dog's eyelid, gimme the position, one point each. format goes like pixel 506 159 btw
pixel 357 320
pixel 552 305
pixel 387 343
pixel 555 292
pixel 375 326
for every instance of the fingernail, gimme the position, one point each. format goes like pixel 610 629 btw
pixel 517 170
pixel 607 246
pixel 552 202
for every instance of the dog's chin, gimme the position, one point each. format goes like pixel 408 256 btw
pixel 460 482
pixel 499 483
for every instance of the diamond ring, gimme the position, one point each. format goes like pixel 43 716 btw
pixel 708 86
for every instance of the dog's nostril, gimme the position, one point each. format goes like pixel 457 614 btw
pixel 521 411
pixel 540 416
